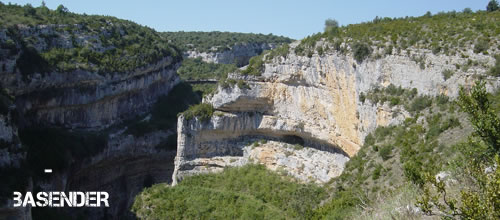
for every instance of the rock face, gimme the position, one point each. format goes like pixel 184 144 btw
pixel 315 101
pixel 91 101
pixel 239 54
pixel 79 98
pixel 125 167
pixel 85 100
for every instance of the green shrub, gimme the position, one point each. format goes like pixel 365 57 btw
pixel 242 84
pixel 385 152
pixel 361 51
pixel 255 66
pixel 481 45
pixel 377 171
pixel 201 111
pixel 411 170
pixel 420 103
pixel 196 69
pixel 340 207
pixel 369 140
pixel 447 73
pixel 495 70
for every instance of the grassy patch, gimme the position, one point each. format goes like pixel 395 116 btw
pixel 237 193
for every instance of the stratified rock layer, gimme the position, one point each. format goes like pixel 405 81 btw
pixel 315 101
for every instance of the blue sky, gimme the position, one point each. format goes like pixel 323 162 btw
pixel 291 18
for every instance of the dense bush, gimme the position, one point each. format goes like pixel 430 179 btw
pixel 385 152
pixel 255 67
pixel 495 70
pixel 361 51
pixel 420 103
pixel 203 112
pixel 250 192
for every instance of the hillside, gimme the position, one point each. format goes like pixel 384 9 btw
pixel 58 40
pixel 219 41
pixel 407 114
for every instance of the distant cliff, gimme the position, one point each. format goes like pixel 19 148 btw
pixel 313 101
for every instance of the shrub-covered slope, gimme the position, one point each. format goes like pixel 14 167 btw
pixel 219 41
pixel 43 40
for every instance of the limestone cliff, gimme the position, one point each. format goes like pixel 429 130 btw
pixel 83 98
pixel 314 101
pixel 238 54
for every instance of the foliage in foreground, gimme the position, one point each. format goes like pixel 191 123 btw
pixel 480 177
pixel 249 192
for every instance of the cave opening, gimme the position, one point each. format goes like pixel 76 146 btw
pixel 293 139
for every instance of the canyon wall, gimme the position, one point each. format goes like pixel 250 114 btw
pixel 314 102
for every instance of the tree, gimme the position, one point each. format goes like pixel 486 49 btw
pixel 331 25
pixel 467 11
pixel 29 10
pixel 361 51
pixel 62 10
pixel 492 6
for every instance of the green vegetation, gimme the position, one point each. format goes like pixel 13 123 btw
pixel 492 6
pixel 111 46
pixel 447 33
pixel 447 73
pixel 479 189
pixel 394 159
pixel 399 96
pixel 220 41
pixel 255 66
pixel 165 111
pixel 196 69
pixel 249 192
pixel 495 70
pixel 361 51
pixel 201 111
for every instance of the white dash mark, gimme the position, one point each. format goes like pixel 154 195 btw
pixel 48 170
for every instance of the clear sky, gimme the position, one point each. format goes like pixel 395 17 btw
pixel 291 18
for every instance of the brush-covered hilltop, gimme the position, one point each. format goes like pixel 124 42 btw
pixel 388 119
pixel 95 99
